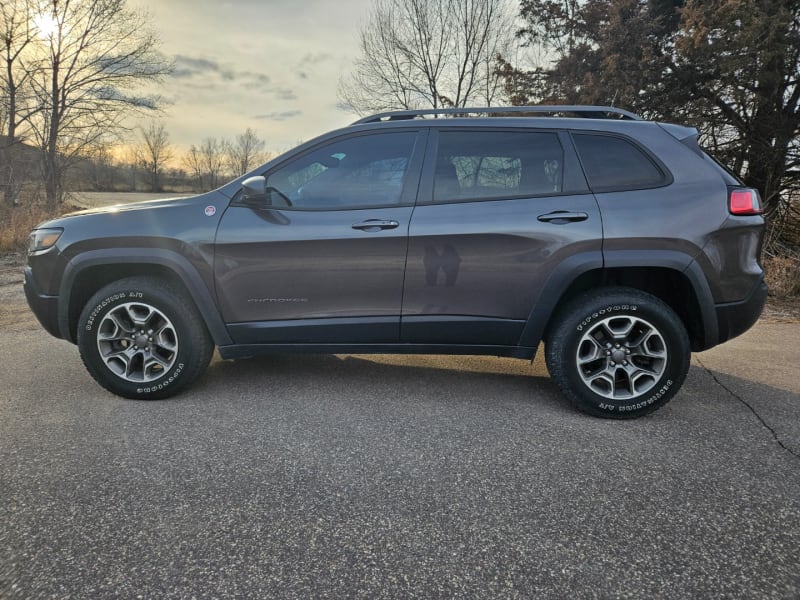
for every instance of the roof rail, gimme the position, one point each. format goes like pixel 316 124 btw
pixel 592 112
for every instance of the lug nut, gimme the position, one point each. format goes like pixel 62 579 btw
pixel 613 364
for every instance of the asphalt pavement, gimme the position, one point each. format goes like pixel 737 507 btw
pixel 397 477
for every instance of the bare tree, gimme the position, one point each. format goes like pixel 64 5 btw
pixel 206 162
pixel 213 157
pixel 429 53
pixel 245 153
pixel 101 168
pixel 98 52
pixel 154 152
pixel 193 162
pixel 17 31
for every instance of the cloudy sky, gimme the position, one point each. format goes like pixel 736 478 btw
pixel 272 65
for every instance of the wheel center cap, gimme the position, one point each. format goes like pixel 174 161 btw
pixel 141 341
pixel 618 356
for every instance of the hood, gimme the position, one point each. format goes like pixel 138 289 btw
pixel 214 198
pixel 143 205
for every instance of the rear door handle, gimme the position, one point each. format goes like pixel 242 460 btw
pixel 561 217
pixel 375 225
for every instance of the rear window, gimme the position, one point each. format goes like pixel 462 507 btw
pixel 616 164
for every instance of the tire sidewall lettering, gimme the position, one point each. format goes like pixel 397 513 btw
pixel 156 387
pixel 605 312
pixel 108 302
pixel 623 408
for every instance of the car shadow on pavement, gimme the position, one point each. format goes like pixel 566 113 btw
pixel 404 379
pixel 412 381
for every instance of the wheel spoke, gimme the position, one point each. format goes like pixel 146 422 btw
pixel 590 351
pixel 165 338
pixel 619 327
pixel 113 329
pixel 643 379
pixel 156 360
pixel 602 382
pixel 653 346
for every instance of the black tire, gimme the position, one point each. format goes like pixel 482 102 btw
pixel 142 338
pixel 617 353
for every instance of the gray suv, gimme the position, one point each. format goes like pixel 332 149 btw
pixel 615 241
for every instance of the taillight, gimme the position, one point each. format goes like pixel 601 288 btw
pixel 745 202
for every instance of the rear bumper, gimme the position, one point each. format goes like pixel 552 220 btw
pixel 44 307
pixel 735 318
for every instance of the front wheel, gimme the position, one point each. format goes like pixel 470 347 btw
pixel 141 338
pixel 618 353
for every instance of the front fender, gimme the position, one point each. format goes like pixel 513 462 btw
pixel 172 261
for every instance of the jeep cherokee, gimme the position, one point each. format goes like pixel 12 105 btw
pixel 616 241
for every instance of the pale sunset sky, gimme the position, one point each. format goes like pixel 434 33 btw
pixel 272 65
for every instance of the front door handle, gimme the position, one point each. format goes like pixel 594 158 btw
pixel 561 217
pixel 375 225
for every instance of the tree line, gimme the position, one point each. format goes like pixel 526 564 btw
pixel 153 164
pixel 203 167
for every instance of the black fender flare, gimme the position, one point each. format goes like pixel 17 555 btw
pixel 568 271
pixel 174 262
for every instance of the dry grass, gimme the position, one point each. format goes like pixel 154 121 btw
pixel 783 276
pixel 16 223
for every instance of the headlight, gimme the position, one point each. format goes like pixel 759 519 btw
pixel 42 239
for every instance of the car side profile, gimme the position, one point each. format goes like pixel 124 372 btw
pixel 616 241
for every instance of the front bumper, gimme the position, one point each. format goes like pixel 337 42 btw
pixel 44 307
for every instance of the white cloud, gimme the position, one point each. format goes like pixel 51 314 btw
pixel 272 65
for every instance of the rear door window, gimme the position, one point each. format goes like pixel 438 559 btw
pixel 490 165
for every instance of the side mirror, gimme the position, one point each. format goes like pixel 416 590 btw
pixel 254 190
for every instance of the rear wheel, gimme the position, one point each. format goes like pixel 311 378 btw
pixel 618 353
pixel 142 338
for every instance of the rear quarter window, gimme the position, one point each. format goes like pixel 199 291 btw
pixel 616 164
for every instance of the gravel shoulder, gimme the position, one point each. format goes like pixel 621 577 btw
pixel 14 312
